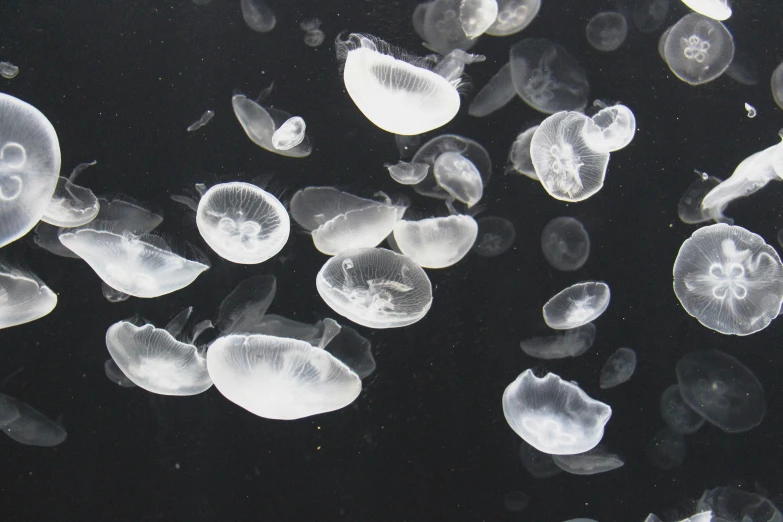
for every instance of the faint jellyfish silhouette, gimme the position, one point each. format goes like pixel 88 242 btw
pixel 690 206
pixel 408 173
pixel 537 463
pixel 715 9
pixel 568 343
pixel 31 427
pixel 436 242
pixel 578 304
pixel 776 84
pixel 619 367
pixel 495 236
pixel 519 156
pixel 23 297
pixel 314 36
pixel 71 205
pixel 243 309
pixel 112 295
pixel 677 414
pixel 9 412
pixel 46 237
pixel 649 15
pixel 698 49
pixel 515 501
pixel 592 462
pixel 743 68
pixel 439 25
pixel 8 70
pixel 203 120
pixel 734 504
pixel 513 16
pixel 260 124
pixel 666 449
pixel 606 31
pixel 115 375
pixel 352 350
pixel 258 15
pixel 495 95
pixel 466 147
pixel 565 243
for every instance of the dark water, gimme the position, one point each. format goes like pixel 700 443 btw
pixel 426 440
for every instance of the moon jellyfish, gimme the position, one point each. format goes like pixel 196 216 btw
pixel 436 242
pixel 721 389
pixel 537 463
pixel 649 15
pixel 592 462
pixel 553 415
pixel 31 427
pixel 258 15
pixel 677 414
pixel 689 209
pixel 115 375
pixel 459 177
pixel 71 205
pixel 408 173
pixel 23 297
pixel 353 350
pixel 698 49
pixel 494 95
pixel 290 134
pixel 29 167
pixel 495 236
pixel 8 70
pixel 715 9
pixel 565 164
pixel 397 93
pixel 776 84
pixel 565 243
pixel 476 16
pixel 513 16
pixel 243 309
pixel 547 77
pixel 730 504
pixel 375 287
pixel 729 279
pixel 606 31
pixel 519 156
pixel 467 148
pixel 279 378
pixel 576 305
pixel 260 124
pixel 614 128
pixel 112 295
pixel 439 25
pixel 666 450
pixel 314 36
pixel 618 368
pixel 203 120
pixel 242 222
pixel 515 501
pixel 569 343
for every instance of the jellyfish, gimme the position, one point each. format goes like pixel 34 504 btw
pixel 732 504
pixel 8 70
pixel 715 9
pixel 592 462
pixel 314 38
pixel 375 287
pixel 698 49
pixel 721 389
pixel 353 350
pixel 279 378
pixel 261 123
pixel 677 414
pixel 436 242
pixel 290 134
pixel 666 449
pixel 513 16
pixel 606 31
pixel 495 95
pixel 519 159
pixel 614 128
pixel 537 463
pixel 23 297
pixel 467 148
pixel 565 164
pixel 45 236
pixel 776 84
pixel 689 209
pixel 397 93
pixel 565 243
pixel 729 279
pixel 569 343
pixel 458 176
pixel 29 167
pixel 576 305
pixel 203 120
pixel 112 295
pixel 619 367
pixel 408 173
pixel 743 68
pixel 71 205
pixel 553 415
pixel 115 375
pixel 649 15
pixel 476 16
pixel 244 308
pixel 258 15
pixel 31 427
pixel 439 25
pixel 242 223
pixel 495 236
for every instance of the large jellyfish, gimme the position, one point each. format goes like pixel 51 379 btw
pixel 261 123
pixel 23 297
pixel 619 367
pixel 729 279
pixel 615 127
pixel 458 176
pixel 677 414
pixel 476 16
pixel 436 242
pixel 513 16
pixel 29 167
pixel 577 305
pixel 242 222
pixel 553 415
pixel 698 49
pixel 568 343
pixel 565 243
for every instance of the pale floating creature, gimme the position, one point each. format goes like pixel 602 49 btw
pixel 260 124
pixel 519 160
pixel 290 134
pixel 734 504
pixel 776 84
pixel 438 23
pixel 458 176
pixel 689 209
pixel 606 31
pixel 112 295
pixel 353 350
pixel 258 15
pixel 23 297
pixel 677 414
pixel 570 343
pixel 406 173
pixel 648 15
pixel 592 462
pixel 314 38
pixel 279 378
pixel 568 168
pixel 476 16
pixel 71 205
pixel 29 167
pixel 729 279
pixel 513 16
pixel 466 147
pixel 547 77
pixel 614 128
pixel 436 242
pixel 45 236
pixel 722 390
pixel 8 70
pixel 115 375
pixel 242 222
pixel 553 415
pixel 495 236
pixel 515 501
pixel 494 95
pixel 662 44
pixel 537 463
pixel 715 9
pixel 619 368
pixel 30 427
pixel 565 243
pixel 203 120
pixel 751 110
pixel 666 450
pixel 9 412
pixel 310 24
pixel 698 49
pixel 375 287
pixel 578 304
pixel 245 307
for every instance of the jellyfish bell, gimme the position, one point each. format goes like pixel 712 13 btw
pixel 261 123
pixel 436 242
pixel 577 305
pixel 689 209
pixel 614 128
pixel 71 205
pixel 565 243
pixel 519 155
pixel 698 49
pixel 719 10
pixel 606 31
pixel 513 16
pixel 439 25
pixel 469 149
pixel 23 297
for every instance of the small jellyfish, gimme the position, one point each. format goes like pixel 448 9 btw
pixel 115 375
pixel 310 24
pixel 258 15
pixel 751 110
pixel 408 173
pixel 515 501
pixel 112 295
pixel 290 134
pixel 689 209
pixel 469 149
pixel 698 49
pixel 649 15
pixel 314 38
pixel 565 243
pixel 536 462
pixel 618 368
pixel 715 9
pixel 436 242
pixel 45 236
pixel 576 305
pixel 592 462
pixel 513 16
pixel 614 128
pixel 569 343
pixel 553 415
pixel 31 427
pixel 606 31
pixel 666 449
pixel 494 95
pixel 23 297
pixel 8 70
pixel 203 120
pixel 495 236
pixel 260 124
pixel 458 176
pixel 677 414
pixel 71 205
pixel 519 156
pixel 732 504
pixel 776 84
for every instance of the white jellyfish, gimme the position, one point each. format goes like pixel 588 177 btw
pixel 8 70
pixel 476 16
pixel 408 173
pixel 513 16
pixel 458 176
pixel 577 305
pixel 258 15
pixel 698 49
pixel 436 242
pixel 205 118
pixel 290 134
pixel 553 415
pixel 565 243
pixel 614 128
pixel 439 25
pixel 677 414
pixel 729 279
pixel 496 94
pixel 495 236
pixel 375 287
pixel 519 160
pixel 592 462
pixel 715 9
pixel 71 205
pixel 23 297
pixel 261 123
pixel 606 31
pixel 619 367
pixel 569 343
pixel 242 222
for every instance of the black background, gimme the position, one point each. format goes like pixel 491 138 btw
pixel 426 440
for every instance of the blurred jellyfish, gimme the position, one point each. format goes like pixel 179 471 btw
pixel 8 70
pixel 515 501
pixel 46 237
pixel 715 9
pixel 439 25
pixel 553 415
pixel 352 350
pixel 614 128
pixel 729 279
pixel 495 236
pixel 458 176
pixel 606 31
pixel 112 295
pixel 677 414
pixel 592 462
pixel 494 95
pixel 619 367
pixel 698 49
pixel 576 305
pixel 261 123
pixel 744 67
pixel 71 205
pixel 115 375
pixel 666 449
pixel 436 242
pixel 690 206
pixel 30 427
pixel 467 148
pixel 776 84
pixel 519 159
pixel 565 243
pixel 730 504
pixel 569 343
pixel 23 297
pixel 537 463
pixel 408 173
pixel 203 120
pixel 721 389
pixel 314 36
pixel 243 309
pixel 258 15
pixel 649 15
pixel 513 16
pixel 476 16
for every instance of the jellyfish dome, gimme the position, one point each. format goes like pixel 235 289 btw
pixel 71 205
pixel 519 155
pixel 577 305
pixel 698 49
pixel 553 415
pixel 614 128
pixel 398 96
pixel 23 297
pixel 467 148
pixel 29 167
pixel 436 242
pixel 715 9
pixel 261 123
pixel 513 16
pixel 565 243
pixel 242 222
pixel 375 287
pixel 729 279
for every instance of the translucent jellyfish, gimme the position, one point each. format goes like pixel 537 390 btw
pixel 45 236
pixel 537 463
pixel 729 279
pixel 278 378
pixel 375 287
pixel 260 124
pixel 242 222
pixel 243 309
pixel 618 368
pixel 9 412
pixel 408 173
pixel 494 95
pixel 698 49
pixel 290 134
pixel 513 16
pixel 690 206
pixel 353 350
pixel 23 297
pixel 722 390
pixel 547 77
pixel 258 15
pixel 8 70
pixel 495 236
pixel 314 38
pixel 203 120
pixel 553 415
pixel 649 15
pixel 29 167
pixel 436 242
pixel 439 25
pixel 570 343
pixel 115 375
pixel 614 128
pixel 466 147
pixel 677 414
pixel 744 67
pixel 458 176
pixel 606 31
pixel 565 164
pixel 592 462
pixel 715 9
pixel 565 243
pixel 730 504
pixel 31 427
pixel 519 156
pixel 71 205
pixel 666 450
pixel 476 16
pixel 776 84
pixel 576 305
pixel 396 92
pixel 515 501
pixel 112 295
